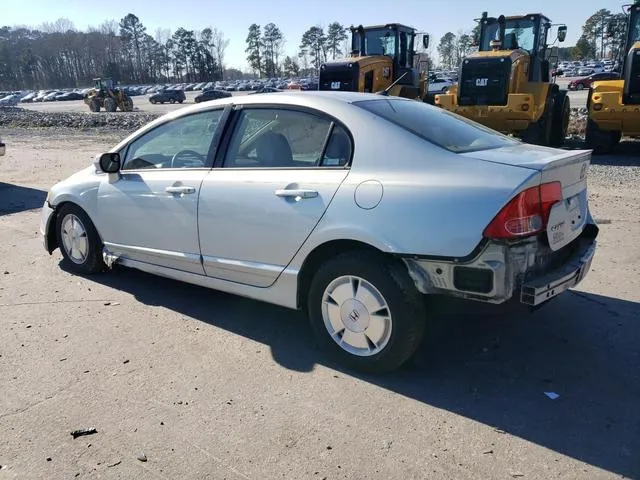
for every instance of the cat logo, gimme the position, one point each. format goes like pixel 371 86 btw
pixel 481 82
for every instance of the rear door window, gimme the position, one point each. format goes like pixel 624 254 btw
pixel 444 129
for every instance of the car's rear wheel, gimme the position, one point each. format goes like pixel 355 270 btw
pixel 580 86
pixel 78 240
pixel 366 311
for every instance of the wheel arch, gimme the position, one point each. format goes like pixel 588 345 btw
pixel 321 254
pixel 52 234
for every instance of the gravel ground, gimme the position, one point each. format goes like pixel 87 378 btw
pixel 204 385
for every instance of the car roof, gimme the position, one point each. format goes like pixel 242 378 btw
pixel 314 99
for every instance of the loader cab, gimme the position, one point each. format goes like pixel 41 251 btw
pixel 525 32
pixel 380 55
pixel 631 66
pixel 392 40
pixel 103 84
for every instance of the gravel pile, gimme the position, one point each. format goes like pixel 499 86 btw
pixel 577 121
pixel 22 118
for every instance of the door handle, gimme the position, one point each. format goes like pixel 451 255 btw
pixel 180 190
pixel 285 193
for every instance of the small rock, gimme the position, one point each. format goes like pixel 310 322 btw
pixel 517 474
pixel 329 447
pixel 498 430
pixel 161 423
pixel 48 459
pixel 126 361
pixel 109 465
pixel 28 326
pixel 6 272
pixel 487 452
pixel 142 457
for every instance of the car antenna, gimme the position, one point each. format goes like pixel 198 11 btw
pixel 388 89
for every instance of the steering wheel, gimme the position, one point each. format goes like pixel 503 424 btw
pixel 187 158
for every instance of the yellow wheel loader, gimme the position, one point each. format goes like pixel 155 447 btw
pixel 105 95
pixel 614 105
pixel 507 84
pixel 382 60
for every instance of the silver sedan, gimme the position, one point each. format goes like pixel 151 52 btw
pixel 356 208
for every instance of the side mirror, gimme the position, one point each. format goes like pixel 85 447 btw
pixel 109 162
pixel 425 41
pixel 562 33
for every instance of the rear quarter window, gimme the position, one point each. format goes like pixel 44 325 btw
pixel 440 127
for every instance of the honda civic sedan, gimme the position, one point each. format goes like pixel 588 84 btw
pixel 356 208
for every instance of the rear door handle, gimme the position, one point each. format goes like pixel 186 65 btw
pixel 180 190
pixel 285 193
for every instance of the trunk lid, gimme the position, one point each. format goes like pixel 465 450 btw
pixel 568 217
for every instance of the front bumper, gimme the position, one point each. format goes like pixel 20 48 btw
pixel 519 112
pixel 46 217
pixel 527 270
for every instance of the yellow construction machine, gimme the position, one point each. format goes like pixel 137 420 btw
pixel 105 95
pixel 382 60
pixel 614 105
pixel 507 84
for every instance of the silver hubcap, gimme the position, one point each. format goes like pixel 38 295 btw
pixel 74 239
pixel 356 315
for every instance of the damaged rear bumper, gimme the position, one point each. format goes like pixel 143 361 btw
pixel 527 270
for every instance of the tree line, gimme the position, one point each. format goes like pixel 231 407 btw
pixel 58 55
pixel 265 50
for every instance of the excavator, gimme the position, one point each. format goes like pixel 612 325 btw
pixel 507 85
pixel 105 95
pixel 614 105
pixel 382 60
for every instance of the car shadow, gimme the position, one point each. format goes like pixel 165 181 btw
pixel 488 364
pixel 16 198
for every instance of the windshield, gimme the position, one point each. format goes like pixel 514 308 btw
pixel 376 42
pixel 634 26
pixel 444 129
pixel 518 33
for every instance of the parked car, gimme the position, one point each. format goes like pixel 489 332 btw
pixel 439 84
pixel 10 101
pixel 303 208
pixel 207 95
pixel 585 71
pixel 170 96
pixel 65 96
pixel 29 97
pixel 585 82
pixel 267 90
pixel 51 97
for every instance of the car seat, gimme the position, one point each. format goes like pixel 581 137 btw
pixel 510 41
pixel 273 150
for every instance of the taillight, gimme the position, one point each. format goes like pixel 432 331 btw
pixel 526 214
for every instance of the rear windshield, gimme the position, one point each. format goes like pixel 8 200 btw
pixel 442 128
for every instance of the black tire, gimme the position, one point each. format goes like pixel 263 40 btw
pixel 580 86
pixel 94 105
pixel 405 305
pixel 92 263
pixel 600 141
pixel 539 133
pixel 110 104
pixel 561 116
pixel 180 101
pixel 172 101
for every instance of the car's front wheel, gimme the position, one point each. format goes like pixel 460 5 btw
pixel 366 311
pixel 78 240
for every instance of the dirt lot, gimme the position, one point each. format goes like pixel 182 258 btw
pixel 212 386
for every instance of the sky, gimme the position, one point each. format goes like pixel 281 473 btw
pixel 294 17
